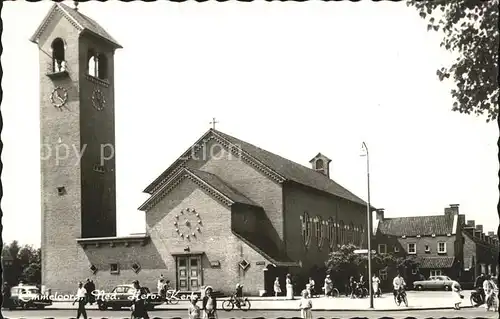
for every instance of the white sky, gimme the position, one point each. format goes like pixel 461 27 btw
pixel 293 78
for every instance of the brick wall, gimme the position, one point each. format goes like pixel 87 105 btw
pixel 61 223
pixel 297 200
pixel 216 240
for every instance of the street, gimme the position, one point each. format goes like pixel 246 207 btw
pixel 66 314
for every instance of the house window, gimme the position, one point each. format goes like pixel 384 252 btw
pixel 99 168
pixel 306 229
pixel 436 272
pixel 319 231
pixel 382 274
pixel 342 232
pixel 441 248
pixel 412 249
pixel 427 249
pixel 114 268
pixel 396 249
pixel 382 248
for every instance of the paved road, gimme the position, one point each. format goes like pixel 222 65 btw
pixel 95 314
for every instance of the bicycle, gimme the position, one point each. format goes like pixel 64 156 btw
pixel 476 298
pixel 360 291
pixel 333 293
pixel 399 297
pixel 242 304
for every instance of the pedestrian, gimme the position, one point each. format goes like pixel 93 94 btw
pixel 352 286
pixel 277 288
pixel 489 288
pixel 160 284
pixel 194 311
pixel 375 285
pixel 209 304
pixel 91 292
pixel 328 287
pixel 305 305
pixel 457 296
pixel 311 286
pixel 289 287
pixel 479 286
pixel 81 298
pixel 139 302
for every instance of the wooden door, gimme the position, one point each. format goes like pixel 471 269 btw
pixel 189 277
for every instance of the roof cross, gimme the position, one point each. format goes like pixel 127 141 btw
pixel 213 123
pixel 76 5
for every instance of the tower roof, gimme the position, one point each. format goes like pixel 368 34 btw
pixel 79 20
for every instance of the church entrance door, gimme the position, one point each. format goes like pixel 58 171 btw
pixel 189 273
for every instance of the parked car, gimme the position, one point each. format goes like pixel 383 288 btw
pixel 434 283
pixel 122 296
pixel 26 297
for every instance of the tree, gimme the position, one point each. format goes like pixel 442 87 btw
pixel 25 265
pixel 470 31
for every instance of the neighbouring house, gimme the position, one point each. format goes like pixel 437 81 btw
pixel 480 252
pixel 435 242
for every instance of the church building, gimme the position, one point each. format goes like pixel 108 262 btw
pixel 224 212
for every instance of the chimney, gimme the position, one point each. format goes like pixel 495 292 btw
pixel 479 228
pixel 380 214
pixel 321 163
pixel 471 223
pixel 491 234
pixel 452 210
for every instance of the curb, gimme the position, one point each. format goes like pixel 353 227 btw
pixel 293 309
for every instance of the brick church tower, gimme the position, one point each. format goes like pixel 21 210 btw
pixel 77 141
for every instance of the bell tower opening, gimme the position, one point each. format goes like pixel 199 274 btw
pixel 321 163
pixel 58 60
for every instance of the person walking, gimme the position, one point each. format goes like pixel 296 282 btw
pixel 305 305
pixel 457 296
pixel 139 302
pixel 489 291
pixel 289 287
pixel 194 311
pixel 277 288
pixel 91 292
pixel 352 286
pixel 160 284
pixel 328 286
pixel 375 285
pixel 81 298
pixel 209 304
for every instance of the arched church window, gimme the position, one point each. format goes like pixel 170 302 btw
pixel 331 232
pixel 306 228
pixel 351 233
pixel 97 65
pixel 319 229
pixel 341 233
pixel 58 59
pixel 320 164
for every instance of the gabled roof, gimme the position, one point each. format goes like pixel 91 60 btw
pixel 439 225
pixel 79 20
pixel 435 262
pixel 295 172
pixel 281 167
pixel 216 187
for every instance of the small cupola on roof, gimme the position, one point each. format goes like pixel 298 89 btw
pixel 321 163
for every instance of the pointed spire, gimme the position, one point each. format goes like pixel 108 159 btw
pixel 76 5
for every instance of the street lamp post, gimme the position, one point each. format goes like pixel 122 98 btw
pixel 369 226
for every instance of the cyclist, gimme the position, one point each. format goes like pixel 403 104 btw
pixel 479 286
pixel 238 295
pixel 398 284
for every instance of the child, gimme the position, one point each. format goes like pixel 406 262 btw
pixel 305 306
pixel 277 288
pixel 194 311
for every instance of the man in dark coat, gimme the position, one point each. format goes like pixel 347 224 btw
pixel 479 284
pixel 139 302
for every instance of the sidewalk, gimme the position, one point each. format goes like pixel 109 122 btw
pixel 427 300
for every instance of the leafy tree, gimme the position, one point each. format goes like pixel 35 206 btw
pixel 25 266
pixel 470 32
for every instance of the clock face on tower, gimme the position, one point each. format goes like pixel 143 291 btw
pixel 98 100
pixel 59 97
pixel 188 223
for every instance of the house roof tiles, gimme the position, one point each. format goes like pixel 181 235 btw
pixel 436 262
pixel 417 225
